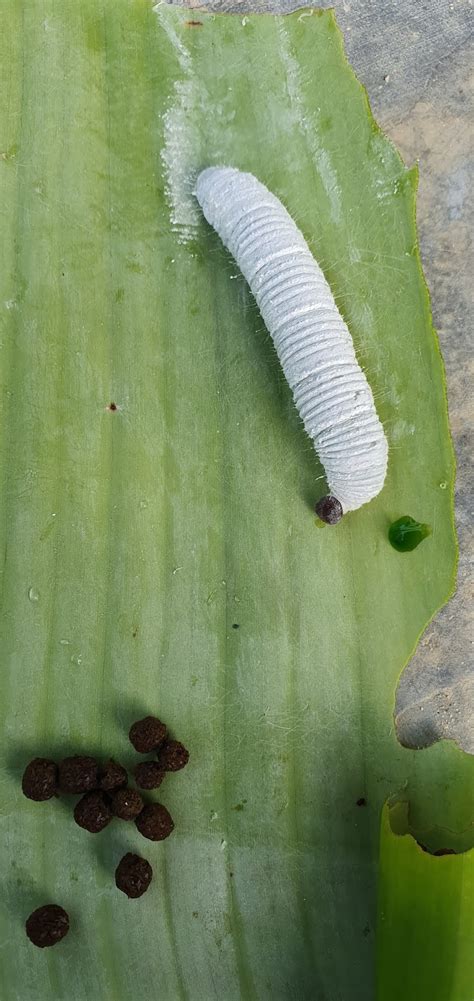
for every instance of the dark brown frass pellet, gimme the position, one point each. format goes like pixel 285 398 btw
pixel 47 925
pixel 78 774
pixel 40 779
pixel 133 875
pixel 154 822
pixel 329 509
pixel 112 776
pixel 147 734
pixel 126 804
pixel 173 756
pixel 92 812
pixel 149 775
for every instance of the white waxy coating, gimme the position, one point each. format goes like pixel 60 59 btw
pixel 313 343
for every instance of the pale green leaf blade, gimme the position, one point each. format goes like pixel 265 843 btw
pixel 134 540
pixel 425 918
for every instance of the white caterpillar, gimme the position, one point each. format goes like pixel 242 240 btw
pixel 313 343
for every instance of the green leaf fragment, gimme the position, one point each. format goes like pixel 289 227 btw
pixel 405 534
pixel 425 926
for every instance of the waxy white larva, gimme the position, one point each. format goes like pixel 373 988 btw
pixel 313 343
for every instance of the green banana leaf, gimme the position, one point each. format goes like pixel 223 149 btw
pixel 163 556
pixel 425 917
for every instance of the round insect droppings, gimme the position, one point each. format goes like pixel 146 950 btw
pixel 173 756
pixel 329 509
pixel 133 875
pixel 92 812
pixel 47 925
pixel 149 774
pixel 154 822
pixel 112 776
pixel 126 804
pixel 147 734
pixel 40 779
pixel 78 774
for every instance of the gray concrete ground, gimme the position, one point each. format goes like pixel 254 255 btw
pixel 416 61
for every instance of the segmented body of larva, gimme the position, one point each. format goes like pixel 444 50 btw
pixel 313 342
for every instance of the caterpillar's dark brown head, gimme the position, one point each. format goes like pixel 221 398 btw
pixel 329 509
